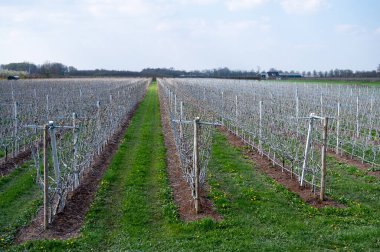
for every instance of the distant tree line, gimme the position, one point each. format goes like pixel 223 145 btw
pixel 47 69
pixel 55 70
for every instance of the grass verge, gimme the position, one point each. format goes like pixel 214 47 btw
pixel 20 198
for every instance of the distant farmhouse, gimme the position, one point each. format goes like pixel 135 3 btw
pixel 275 75
pixel 13 77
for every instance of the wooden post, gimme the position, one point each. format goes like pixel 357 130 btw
pixel 75 153
pixel 321 104
pixel 337 130
pixel 15 124
pixel 54 150
pixel 46 188
pixel 297 115
pixel 57 169
pixel 324 148
pixel 236 114
pixel 260 127
pixel 222 108
pixel 307 148
pixel 357 117
pixel 47 107
pixel 175 106
pixel 80 103
pixel 170 101
pixel 196 166
pixel 180 121
pixel 98 125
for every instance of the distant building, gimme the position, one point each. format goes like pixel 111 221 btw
pixel 290 76
pixel 13 77
pixel 275 75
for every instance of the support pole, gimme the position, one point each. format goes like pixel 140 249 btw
pixel 98 126
pixel 357 117
pixel 15 118
pixel 47 107
pixel 324 148
pixel 46 190
pixel 236 114
pixel 307 149
pixel 196 166
pixel 261 127
pixel 222 111
pixel 337 130
pixel 180 121
pixel 75 152
pixel 321 100
pixel 57 169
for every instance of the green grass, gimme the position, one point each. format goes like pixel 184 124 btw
pixel 19 201
pixel 134 210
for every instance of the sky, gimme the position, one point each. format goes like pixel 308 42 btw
pixel 301 35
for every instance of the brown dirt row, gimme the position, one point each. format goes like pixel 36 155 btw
pixel 181 190
pixel 283 178
pixel 67 224
pixel 12 163
pixel 348 160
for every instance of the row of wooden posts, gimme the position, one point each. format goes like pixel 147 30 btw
pixel 196 167
pixel 196 122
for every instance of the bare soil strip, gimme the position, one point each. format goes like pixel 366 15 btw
pixel 67 224
pixel 347 160
pixel 283 178
pixel 181 190
pixel 8 166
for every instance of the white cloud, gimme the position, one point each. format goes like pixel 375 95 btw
pixel 350 29
pixel 207 29
pixel 377 31
pixel 302 6
pixel 104 8
pixel 237 5
pixel 198 2
pixel 308 46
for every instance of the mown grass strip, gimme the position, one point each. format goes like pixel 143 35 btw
pixel 20 198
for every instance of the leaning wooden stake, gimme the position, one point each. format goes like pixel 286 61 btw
pixel 324 147
pixel 307 149
pixel 196 166
pixel 46 190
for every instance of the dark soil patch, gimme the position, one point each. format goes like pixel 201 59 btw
pixel 7 166
pixel 283 178
pixel 359 164
pixel 181 190
pixel 67 224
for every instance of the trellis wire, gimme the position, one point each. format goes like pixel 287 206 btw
pixel 86 114
pixel 266 116
pixel 183 111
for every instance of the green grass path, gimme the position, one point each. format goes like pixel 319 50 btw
pixel 134 211
pixel 19 201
